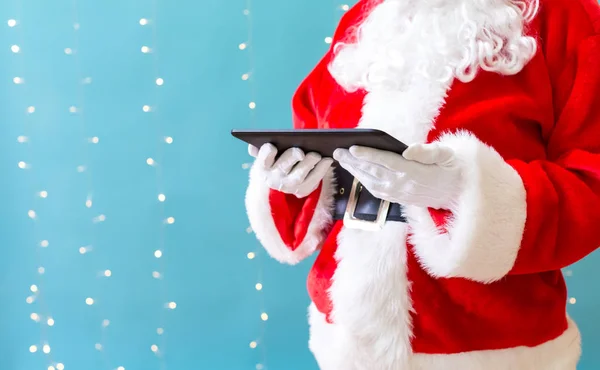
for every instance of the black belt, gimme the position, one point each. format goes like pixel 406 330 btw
pixel 367 207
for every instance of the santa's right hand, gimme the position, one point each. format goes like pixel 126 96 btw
pixel 293 172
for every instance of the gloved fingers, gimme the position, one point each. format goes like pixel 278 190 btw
pixel 370 182
pixel 303 168
pixel 372 168
pixel 318 173
pixel 314 177
pixel 433 153
pixel 389 160
pixel 266 156
pixel 288 160
pixel 252 150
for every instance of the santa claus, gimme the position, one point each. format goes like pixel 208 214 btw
pixel 499 102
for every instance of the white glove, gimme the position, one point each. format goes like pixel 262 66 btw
pixel 426 175
pixel 293 172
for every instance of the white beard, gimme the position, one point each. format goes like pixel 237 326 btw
pixel 404 40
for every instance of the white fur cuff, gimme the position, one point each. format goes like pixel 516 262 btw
pixel 261 218
pixel 483 236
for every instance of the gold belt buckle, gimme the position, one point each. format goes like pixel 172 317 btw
pixel 352 222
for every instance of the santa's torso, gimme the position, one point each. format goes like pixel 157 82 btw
pixel 374 305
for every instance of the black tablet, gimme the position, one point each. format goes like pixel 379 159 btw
pixel 324 141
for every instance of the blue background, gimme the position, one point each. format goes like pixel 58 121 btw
pixel 204 268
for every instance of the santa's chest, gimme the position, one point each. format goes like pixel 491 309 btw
pixel 407 114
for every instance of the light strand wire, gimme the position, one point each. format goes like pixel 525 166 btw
pixel 86 170
pixel 259 254
pixel 159 185
pixel 34 188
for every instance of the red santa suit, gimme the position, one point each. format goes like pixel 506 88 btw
pixel 477 286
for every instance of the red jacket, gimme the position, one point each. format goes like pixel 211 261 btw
pixel 478 286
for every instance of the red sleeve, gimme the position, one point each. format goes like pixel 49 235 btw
pixel 531 197
pixel 290 228
pixel 563 192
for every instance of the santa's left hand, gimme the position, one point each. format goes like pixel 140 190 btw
pixel 425 175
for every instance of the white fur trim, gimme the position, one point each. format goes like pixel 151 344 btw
pixel 329 344
pixel 485 232
pixel 371 300
pixel 261 220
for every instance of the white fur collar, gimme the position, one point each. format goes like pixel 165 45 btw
pixel 408 52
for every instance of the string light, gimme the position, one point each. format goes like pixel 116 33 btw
pixel 12 23
pixel 572 300
pixel 79 108
pixel 33 348
pixel 31 109
pixel 99 218
pixel 249 50
pixel 152 161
